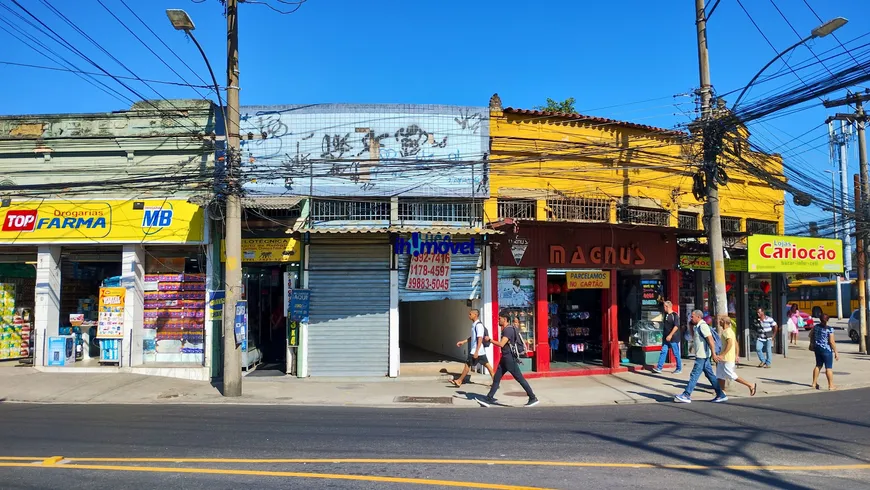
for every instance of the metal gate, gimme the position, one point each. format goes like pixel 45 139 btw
pixel 349 324
pixel 465 279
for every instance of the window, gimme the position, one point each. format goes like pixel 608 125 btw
pixel 645 216
pixel 517 209
pixel 761 227
pixel 579 209
pixel 730 224
pixel 419 210
pixel 687 221
pixel 332 210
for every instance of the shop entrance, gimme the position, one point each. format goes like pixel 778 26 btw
pixel 575 324
pixel 83 273
pixel 267 321
pixel 428 332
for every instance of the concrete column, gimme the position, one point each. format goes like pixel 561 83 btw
pixel 47 311
pixel 486 310
pixel 132 279
pixel 395 357
pixel 302 366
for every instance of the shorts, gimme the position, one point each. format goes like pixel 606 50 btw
pixel 481 360
pixel 824 358
pixel 726 370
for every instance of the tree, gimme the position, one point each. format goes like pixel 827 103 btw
pixel 566 106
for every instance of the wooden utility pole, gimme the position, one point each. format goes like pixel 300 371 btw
pixel 232 384
pixel 862 200
pixel 713 215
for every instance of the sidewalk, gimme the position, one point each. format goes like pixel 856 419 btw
pixel 787 376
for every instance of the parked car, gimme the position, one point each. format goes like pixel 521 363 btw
pixel 854 327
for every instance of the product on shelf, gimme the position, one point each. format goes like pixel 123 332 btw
pixel 174 312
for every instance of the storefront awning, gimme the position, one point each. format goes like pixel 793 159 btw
pixel 283 202
pixel 438 230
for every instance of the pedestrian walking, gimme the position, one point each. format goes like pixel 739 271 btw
pixel 705 349
pixel 476 352
pixel 726 361
pixel 767 330
pixel 793 322
pixel 512 347
pixel 823 344
pixel 670 339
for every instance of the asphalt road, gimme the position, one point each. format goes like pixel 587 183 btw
pixel 821 438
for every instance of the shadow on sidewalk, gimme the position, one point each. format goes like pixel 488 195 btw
pixel 656 397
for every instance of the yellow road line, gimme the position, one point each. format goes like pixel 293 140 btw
pixel 286 474
pixel 22 458
pixel 52 460
pixel 498 462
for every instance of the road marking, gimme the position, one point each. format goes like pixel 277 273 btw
pixel 496 462
pixel 285 474
pixel 22 458
pixel 52 460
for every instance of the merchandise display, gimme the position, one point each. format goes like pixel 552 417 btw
pixel 174 311
pixel 16 326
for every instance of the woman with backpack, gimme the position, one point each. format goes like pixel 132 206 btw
pixel 512 348
pixel 823 344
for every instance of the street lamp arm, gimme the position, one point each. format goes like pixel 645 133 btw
pixel 780 55
pixel 217 89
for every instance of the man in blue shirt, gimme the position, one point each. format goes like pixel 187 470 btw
pixel 767 330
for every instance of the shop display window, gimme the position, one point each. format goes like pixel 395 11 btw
pixel 516 298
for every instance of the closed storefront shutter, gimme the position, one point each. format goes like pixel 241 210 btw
pixel 465 279
pixel 349 325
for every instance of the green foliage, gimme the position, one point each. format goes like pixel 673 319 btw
pixel 566 106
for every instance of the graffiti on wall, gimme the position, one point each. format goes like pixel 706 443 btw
pixel 341 150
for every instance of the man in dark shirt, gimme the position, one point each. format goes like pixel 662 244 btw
pixel 670 338
pixel 509 336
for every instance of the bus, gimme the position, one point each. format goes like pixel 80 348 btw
pixel 817 297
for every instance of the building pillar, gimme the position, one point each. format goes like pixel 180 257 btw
pixel 542 308
pixel 496 329
pixel 673 295
pixel 47 308
pixel 395 357
pixel 487 313
pixel 610 338
pixel 132 280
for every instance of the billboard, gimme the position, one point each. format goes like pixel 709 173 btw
pixel 769 253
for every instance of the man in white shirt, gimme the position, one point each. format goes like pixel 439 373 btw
pixel 705 349
pixel 476 349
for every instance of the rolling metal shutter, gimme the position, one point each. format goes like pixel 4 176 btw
pixel 349 324
pixel 465 280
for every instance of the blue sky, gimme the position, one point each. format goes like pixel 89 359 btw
pixel 629 60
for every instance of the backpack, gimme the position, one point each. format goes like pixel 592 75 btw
pixel 518 348
pixel 487 340
pixel 717 341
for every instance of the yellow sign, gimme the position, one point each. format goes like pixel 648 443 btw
pixel 769 253
pixel 266 250
pixel 132 221
pixel 111 320
pixel 588 279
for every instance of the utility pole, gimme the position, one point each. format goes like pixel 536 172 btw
pixel 713 218
pixel 859 247
pixel 843 142
pixel 232 385
pixel 862 213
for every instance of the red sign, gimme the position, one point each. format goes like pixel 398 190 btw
pixel 23 220
pixel 429 272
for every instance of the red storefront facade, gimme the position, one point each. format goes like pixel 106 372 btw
pixel 580 291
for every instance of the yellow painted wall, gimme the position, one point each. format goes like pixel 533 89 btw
pixel 537 157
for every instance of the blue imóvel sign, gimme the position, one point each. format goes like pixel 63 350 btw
pixel 444 245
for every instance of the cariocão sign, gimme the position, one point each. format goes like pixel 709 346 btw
pixel 768 253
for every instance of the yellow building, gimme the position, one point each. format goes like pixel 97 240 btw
pixel 600 225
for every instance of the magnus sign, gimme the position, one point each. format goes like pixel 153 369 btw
pixel 434 244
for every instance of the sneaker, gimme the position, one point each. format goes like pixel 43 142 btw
pixel 486 402
pixel 657 370
pixel 532 402
pixel 682 398
pixel 678 371
pixel 720 399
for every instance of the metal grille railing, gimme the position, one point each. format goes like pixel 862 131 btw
pixel 761 227
pixel 579 209
pixel 687 221
pixel 517 209
pixel 416 210
pixel 333 210
pixel 730 224
pixel 644 216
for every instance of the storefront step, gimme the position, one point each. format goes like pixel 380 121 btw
pixel 197 373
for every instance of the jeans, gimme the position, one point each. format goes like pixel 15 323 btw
pixel 675 348
pixel 509 365
pixel 764 349
pixel 704 365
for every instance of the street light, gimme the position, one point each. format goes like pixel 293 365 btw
pixel 821 31
pixel 182 22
